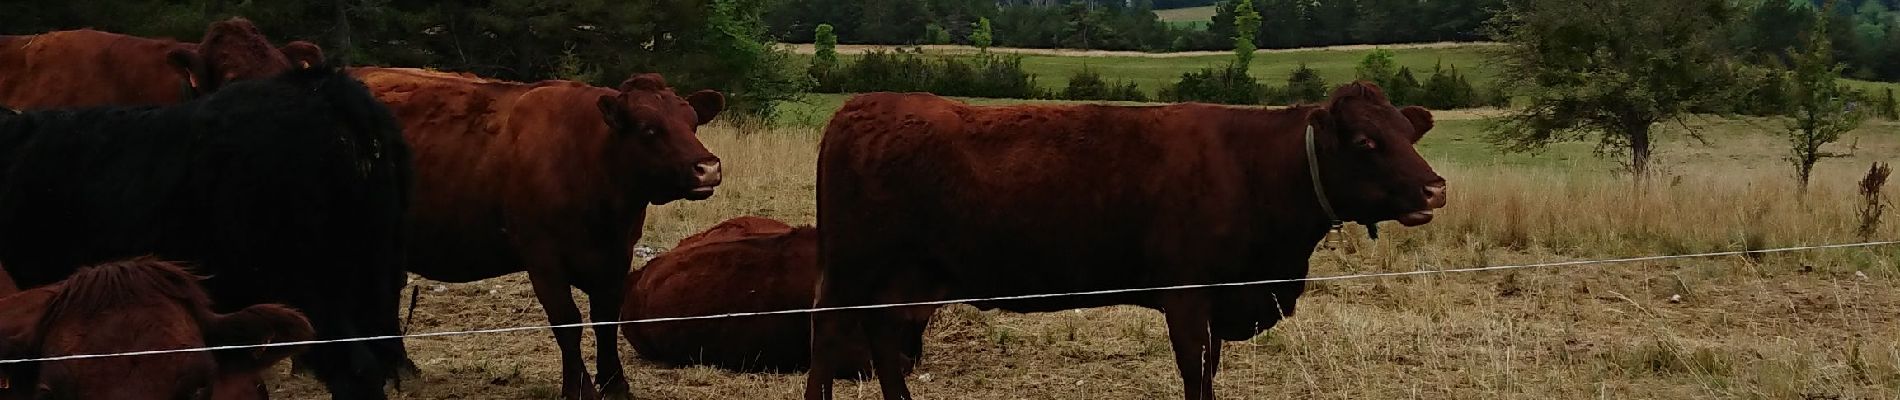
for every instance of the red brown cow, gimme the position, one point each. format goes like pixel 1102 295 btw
pixel 85 67
pixel 551 177
pixel 136 305
pixel 744 264
pixel 923 198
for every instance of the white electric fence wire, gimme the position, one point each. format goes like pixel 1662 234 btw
pixel 956 301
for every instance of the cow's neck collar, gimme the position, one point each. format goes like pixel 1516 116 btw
pixel 1319 192
pixel 1319 189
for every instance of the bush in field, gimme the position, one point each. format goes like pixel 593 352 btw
pixel 1088 85
pixel 902 70
pixel 1226 85
pixel 1305 85
pixel 1403 88
pixel 1447 89
pixel 935 34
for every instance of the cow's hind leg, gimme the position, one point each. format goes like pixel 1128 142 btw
pixel 552 290
pixel 890 338
pixel 604 296
pixel 1196 353
pixel 831 333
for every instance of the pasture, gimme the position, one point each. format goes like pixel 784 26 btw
pixel 1815 324
pixel 1151 71
pixel 1191 17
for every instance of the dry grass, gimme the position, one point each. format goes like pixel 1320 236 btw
pixel 1797 325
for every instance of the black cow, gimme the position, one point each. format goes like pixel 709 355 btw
pixel 283 190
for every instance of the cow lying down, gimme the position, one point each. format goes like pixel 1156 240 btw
pixel 744 264
pixel 136 305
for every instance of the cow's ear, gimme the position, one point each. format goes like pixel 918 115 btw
pixel 611 112
pixel 1421 121
pixel 190 66
pixel 707 104
pixel 258 324
pixel 302 54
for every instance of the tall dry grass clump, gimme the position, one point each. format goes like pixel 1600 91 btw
pixel 1583 214
pixel 1872 204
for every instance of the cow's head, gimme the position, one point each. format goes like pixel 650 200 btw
pixel 135 305
pixel 1368 164
pixel 233 50
pixel 655 137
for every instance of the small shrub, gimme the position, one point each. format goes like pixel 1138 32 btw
pixel 1495 96
pixel 1403 89
pixel 1305 85
pixel 1447 89
pixel 1088 85
pixel 1768 93
pixel 1226 85
pixel 980 36
pixel 935 34
pixel 985 75
pixel 1872 202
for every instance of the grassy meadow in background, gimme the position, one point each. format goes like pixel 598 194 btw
pixel 1816 324
pixel 1152 71
pixel 1191 17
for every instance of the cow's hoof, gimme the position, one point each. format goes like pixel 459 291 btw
pixel 615 388
pixel 582 389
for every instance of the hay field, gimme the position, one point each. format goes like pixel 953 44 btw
pixel 1796 325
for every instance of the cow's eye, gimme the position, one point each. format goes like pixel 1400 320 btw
pixel 1365 143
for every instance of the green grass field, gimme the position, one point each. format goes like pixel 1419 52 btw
pixel 1195 17
pixel 1151 73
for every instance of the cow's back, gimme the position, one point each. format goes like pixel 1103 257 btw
pixel 87 68
pixel 1023 199
pixel 488 155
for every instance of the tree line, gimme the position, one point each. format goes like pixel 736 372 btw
pixel 696 44
pixel 1866 33
pixel 1130 24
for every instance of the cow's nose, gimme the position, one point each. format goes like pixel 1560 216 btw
pixel 707 172
pixel 1435 194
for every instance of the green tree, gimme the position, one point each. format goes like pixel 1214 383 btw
pixel 1379 66
pixel 1821 111
pixel 824 59
pixel 1581 76
pixel 733 54
pixel 1247 24
pixel 981 35
pixel 1404 89
pixel 1305 85
pixel 935 34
